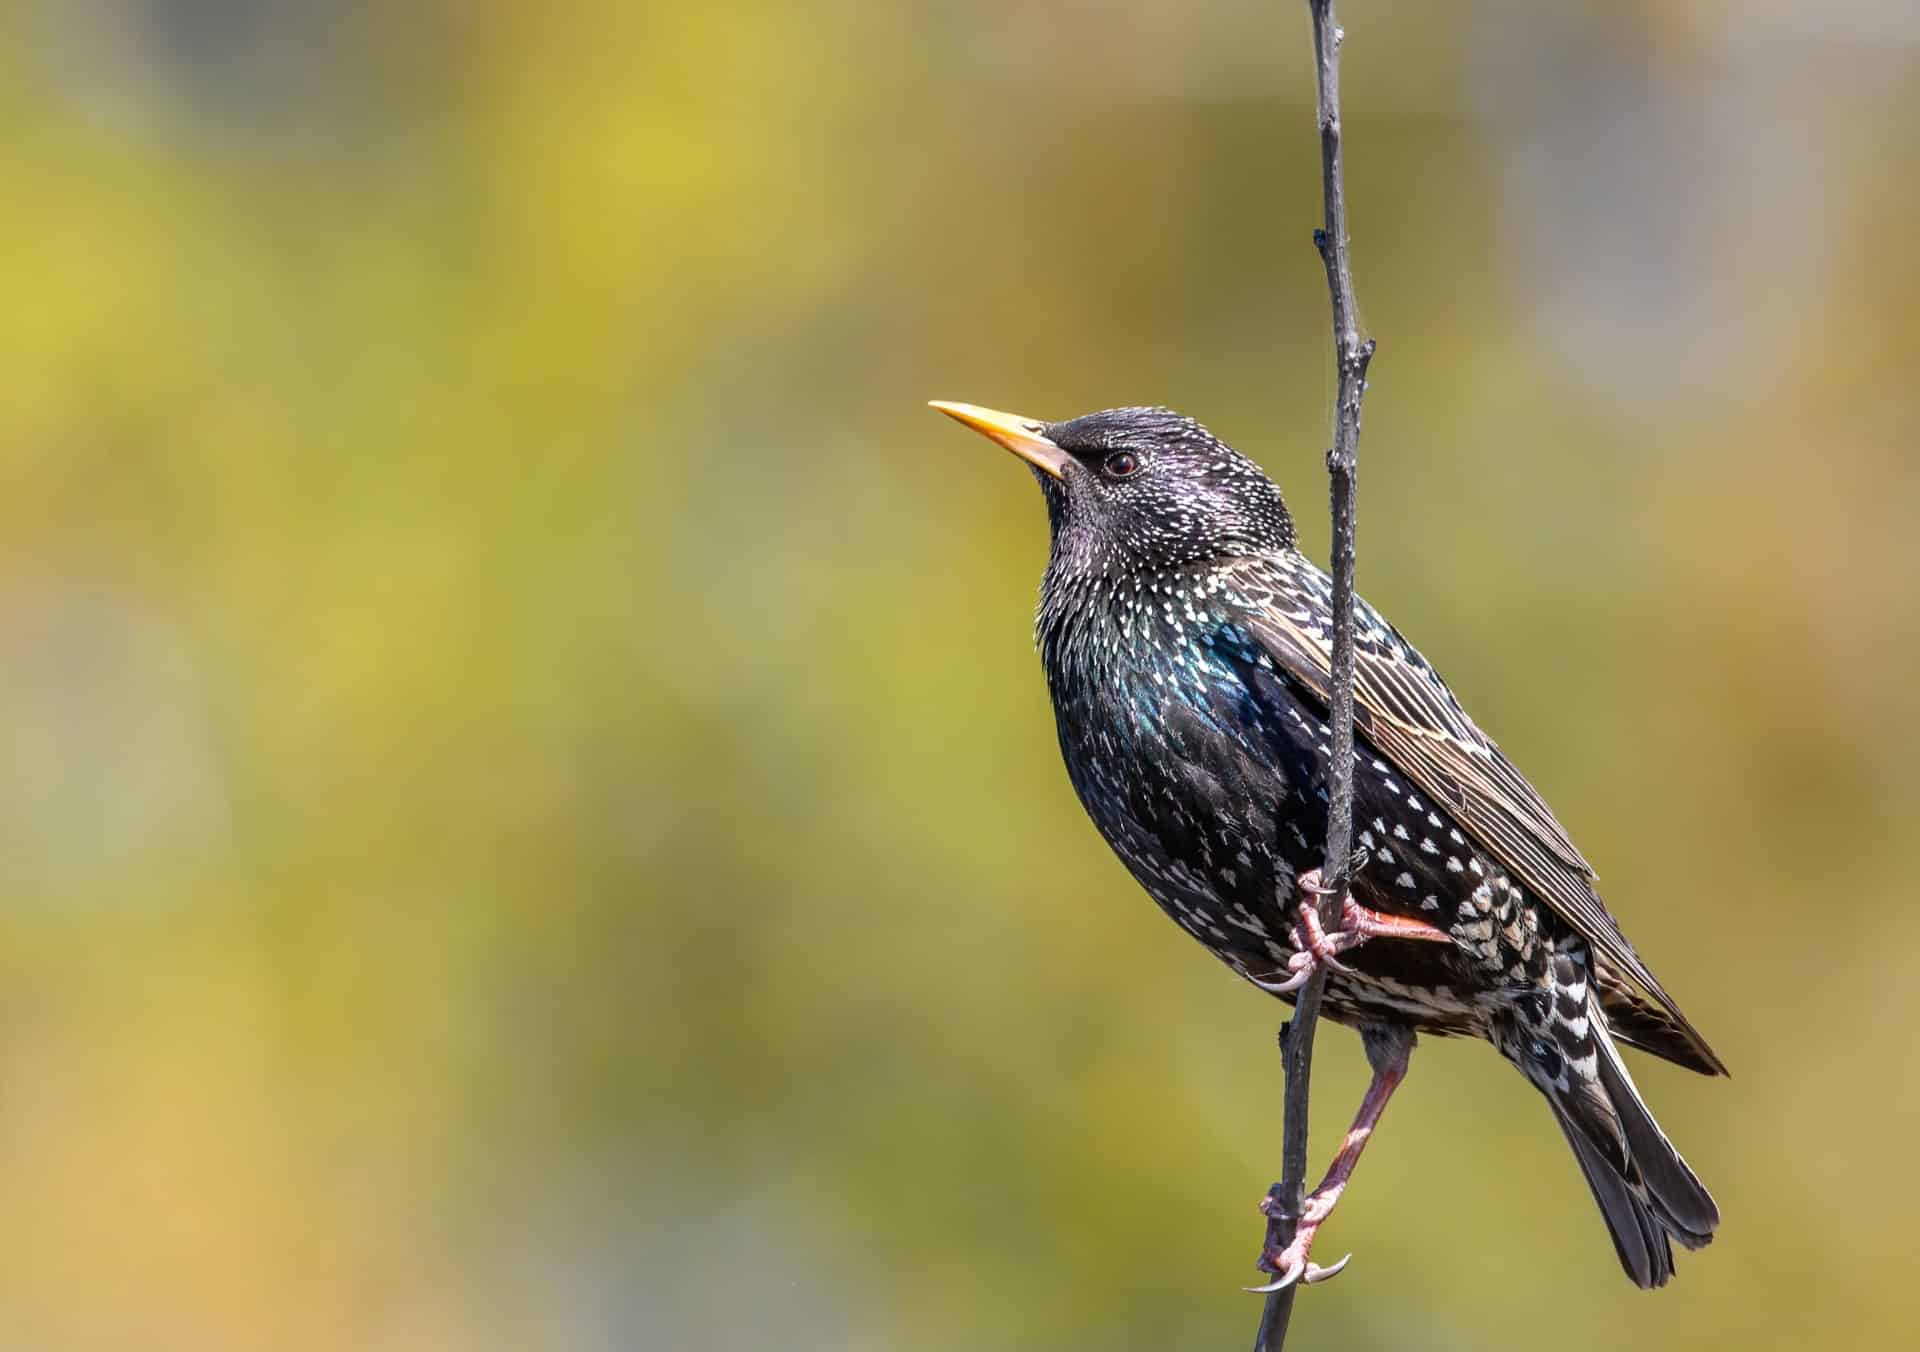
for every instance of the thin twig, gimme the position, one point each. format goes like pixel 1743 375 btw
pixel 1352 356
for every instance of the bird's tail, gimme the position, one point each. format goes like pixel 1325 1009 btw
pixel 1646 1192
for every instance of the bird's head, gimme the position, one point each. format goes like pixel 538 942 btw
pixel 1140 489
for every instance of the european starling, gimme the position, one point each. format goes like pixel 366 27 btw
pixel 1187 645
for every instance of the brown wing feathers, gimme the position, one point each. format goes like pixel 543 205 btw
pixel 1404 709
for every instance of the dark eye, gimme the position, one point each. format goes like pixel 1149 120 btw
pixel 1122 463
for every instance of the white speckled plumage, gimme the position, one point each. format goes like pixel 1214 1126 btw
pixel 1185 644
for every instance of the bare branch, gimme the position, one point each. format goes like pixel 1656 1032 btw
pixel 1352 356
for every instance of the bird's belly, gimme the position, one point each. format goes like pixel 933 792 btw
pixel 1236 894
pixel 1216 812
pixel 1219 880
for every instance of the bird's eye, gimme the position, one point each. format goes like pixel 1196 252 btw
pixel 1122 463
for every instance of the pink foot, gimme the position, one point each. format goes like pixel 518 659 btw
pixel 1357 925
pixel 1291 1264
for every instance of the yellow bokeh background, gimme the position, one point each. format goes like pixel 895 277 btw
pixel 530 815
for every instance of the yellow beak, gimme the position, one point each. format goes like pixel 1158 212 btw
pixel 1022 436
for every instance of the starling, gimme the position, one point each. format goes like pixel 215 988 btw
pixel 1187 643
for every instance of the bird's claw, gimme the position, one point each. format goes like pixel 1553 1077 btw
pixel 1308 958
pixel 1315 946
pixel 1287 987
pixel 1301 966
pixel 1298 1269
pixel 1291 1264
pixel 1310 882
pixel 1316 1273
pixel 1293 1274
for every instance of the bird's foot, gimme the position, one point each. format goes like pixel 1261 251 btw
pixel 1316 947
pixel 1289 1263
pixel 1388 1047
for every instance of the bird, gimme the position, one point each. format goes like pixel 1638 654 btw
pixel 1186 643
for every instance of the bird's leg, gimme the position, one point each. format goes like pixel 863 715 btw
pixel 1388 1050
pixel 1357 925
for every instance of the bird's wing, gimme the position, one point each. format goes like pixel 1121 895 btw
pixel 1404 709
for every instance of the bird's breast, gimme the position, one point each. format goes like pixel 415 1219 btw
pixel 1210 797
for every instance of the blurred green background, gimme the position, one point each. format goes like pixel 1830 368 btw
pixel 530 814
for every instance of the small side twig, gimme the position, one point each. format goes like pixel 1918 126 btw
pixel 1352 356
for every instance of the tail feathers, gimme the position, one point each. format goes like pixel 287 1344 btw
pixel 1637 1237
pixel 1644 1189
pixel 1681 1202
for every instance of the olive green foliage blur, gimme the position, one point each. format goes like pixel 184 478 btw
pixel 530 816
